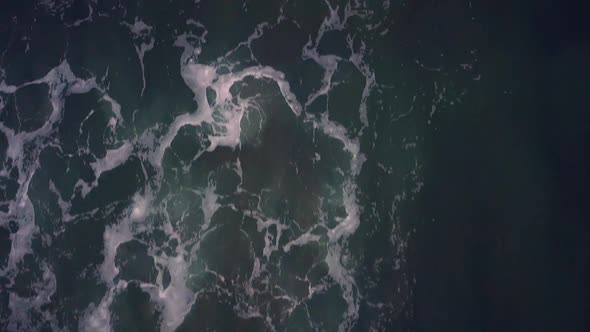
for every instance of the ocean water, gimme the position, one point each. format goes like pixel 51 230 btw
pixel 216 165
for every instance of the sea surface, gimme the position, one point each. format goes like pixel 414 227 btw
pixel 218 165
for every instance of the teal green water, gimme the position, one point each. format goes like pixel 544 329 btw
pixel 214 165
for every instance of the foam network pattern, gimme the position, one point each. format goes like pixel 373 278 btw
pixel 213 214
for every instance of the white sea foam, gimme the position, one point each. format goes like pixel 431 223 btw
pixel 224 116
pixel 24 148
pixel 97 318
pixel 271 243
pixel 61 82
pixel 140 207
pixel 115 107
pixel 177 299
pixel 304 239
pixel 209 204
pixel 20 307
pixel 113 159
pixel 113 236
pixel 142 36
pixel 198 78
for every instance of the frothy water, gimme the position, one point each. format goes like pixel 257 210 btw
pixel 244 198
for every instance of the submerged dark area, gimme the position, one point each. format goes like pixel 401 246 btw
pixel 508 250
